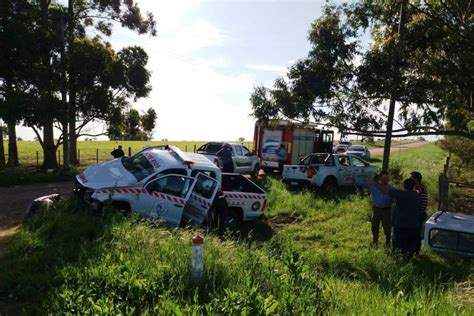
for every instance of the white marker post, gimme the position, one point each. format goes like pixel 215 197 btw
pixel 198 258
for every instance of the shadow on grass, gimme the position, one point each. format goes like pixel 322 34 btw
pixel 31 175
pixel 392 273
pixel 45 244
pixel 375 159
pixel 258 231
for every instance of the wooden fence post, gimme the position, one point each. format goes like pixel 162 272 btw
pixel 186 147
pixel 59 156
pixel 37 159
pixel 194 148
pixel 79 156
pixel 97 155
pixel 129 151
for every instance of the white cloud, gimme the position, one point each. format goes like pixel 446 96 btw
pixel 196 35
pixel 268 68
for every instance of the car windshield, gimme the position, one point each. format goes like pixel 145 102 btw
pixel 138 165
pixel 356 148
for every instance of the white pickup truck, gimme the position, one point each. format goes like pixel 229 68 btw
pixel 328 171
pixel 165 183
pixel 245 162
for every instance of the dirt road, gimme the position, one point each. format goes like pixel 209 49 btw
pixel 379 151
pixel 15 200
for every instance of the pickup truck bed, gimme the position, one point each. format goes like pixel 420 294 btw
pixel 243 196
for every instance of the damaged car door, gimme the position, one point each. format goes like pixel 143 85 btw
pixel 165 197
pixel 200 201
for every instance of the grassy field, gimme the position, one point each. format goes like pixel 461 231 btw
pixel 89 151
pixel 311 254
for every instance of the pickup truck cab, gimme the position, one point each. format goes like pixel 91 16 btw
pixel 163 182
pixel 245 162
pixel 328 171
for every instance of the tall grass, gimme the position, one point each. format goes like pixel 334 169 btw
pixel 69 260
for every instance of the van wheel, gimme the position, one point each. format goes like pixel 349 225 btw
pixel 255 171
pixel 330 185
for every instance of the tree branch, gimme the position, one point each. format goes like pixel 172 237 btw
pixel 38 136
pixel 92 135
pixel 435 133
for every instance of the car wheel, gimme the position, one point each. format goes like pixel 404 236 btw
pixel 255 171
pixel 330 185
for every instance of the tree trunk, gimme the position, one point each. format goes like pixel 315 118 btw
pixel 393 99
pixel 72 91
pixel 388 135
pixel 12 147
pixel 2 150
pixel 49 149
pixel 72 128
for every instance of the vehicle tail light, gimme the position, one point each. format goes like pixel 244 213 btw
pixel 311 172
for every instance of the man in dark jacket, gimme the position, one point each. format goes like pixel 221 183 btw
pixel 117 153
pixel 421 190
pixel 222 209
pixel 225 154
pixel 406 218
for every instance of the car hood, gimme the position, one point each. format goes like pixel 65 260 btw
pixel 106 174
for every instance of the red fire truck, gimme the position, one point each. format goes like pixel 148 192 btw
pixel 298 138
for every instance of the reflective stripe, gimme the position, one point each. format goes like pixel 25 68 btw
pixel 142 191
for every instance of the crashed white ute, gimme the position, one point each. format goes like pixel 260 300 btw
pixel 163 182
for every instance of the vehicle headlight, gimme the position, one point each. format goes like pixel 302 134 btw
pixel 255 206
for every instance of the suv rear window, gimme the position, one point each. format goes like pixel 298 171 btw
pixel 212 148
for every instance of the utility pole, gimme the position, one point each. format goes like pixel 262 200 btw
pixel 393 96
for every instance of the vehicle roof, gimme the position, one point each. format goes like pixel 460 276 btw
pixel 221 143
pixel 452 221
pixel 175 158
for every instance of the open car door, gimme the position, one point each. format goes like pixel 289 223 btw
pixel 165 197
pixel 200 201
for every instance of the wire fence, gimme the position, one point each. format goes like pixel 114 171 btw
pixel 90 155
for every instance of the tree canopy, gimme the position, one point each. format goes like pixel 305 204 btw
pixel 428 71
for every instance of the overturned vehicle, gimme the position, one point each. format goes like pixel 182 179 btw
pixel 450 232
pixel 164 182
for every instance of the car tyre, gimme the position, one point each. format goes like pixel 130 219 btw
pixel 330 185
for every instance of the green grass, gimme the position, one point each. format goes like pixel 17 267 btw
pixel 70 260
pixel 90 150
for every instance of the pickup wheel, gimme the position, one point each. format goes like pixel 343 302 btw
pixel 255 171
pixel 329 185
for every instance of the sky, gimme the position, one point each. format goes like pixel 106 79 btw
pixel 207 57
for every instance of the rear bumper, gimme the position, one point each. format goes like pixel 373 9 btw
pixel 297 181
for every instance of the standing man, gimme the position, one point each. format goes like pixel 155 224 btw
pixel 117 153
pixel 222 207
pixel 281 153
pixel 225 154
pixel 381 206
pixel 405 218
pixel 421 190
